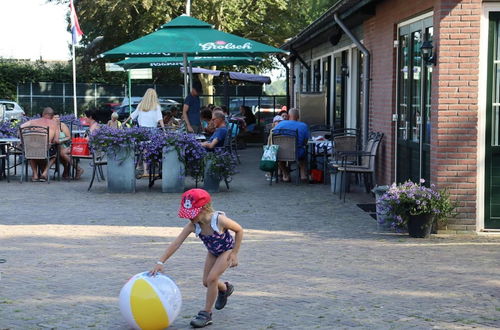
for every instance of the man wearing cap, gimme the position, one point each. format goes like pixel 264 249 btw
pixel 191 110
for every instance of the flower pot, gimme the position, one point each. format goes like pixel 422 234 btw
pixel 211 182
pixel 419 226
pixel 121 170
pixel 173 171
pixel 384 217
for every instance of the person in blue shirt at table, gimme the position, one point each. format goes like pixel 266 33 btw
pixel 217 139
pixel 303 135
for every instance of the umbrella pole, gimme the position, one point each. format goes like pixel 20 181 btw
pixel 129 93
pixel 226 89
pixel 190 75
pixel 186 92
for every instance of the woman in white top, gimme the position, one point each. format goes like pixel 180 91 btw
pixel 148 112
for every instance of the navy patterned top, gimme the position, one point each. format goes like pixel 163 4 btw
pixel 217 243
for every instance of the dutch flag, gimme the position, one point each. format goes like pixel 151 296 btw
pixel 75 27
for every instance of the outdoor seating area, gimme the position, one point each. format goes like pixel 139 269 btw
pixel 249 164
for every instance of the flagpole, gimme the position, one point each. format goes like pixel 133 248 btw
pixel 74 80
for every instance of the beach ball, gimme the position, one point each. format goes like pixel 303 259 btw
pixel 150 302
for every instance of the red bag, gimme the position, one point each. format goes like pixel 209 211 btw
pixel 317 175
pixel 80 147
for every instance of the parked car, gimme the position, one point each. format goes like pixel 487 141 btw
pixel 11 110
pixel 123 110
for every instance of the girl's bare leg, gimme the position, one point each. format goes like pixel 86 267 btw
pixel 213 284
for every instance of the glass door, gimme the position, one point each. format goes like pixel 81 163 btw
pixel 492 157
pixel 414 103
pixel 327 84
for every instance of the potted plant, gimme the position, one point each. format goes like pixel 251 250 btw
pixel 181 154
pixel 119 146
pixel 219 165
pixel 416 207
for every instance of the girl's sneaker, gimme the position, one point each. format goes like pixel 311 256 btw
pixel 201 320
pixel 222 298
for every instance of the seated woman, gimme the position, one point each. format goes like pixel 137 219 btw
pixel 217 139
pixel 169 120
pixel 206 121
pixel 65 149
pixel 93 124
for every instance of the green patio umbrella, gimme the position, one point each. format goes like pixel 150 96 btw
pixel 187 36
pixel 160 62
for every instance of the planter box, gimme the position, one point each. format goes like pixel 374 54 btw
pixel 210 183
pixel 384 220
pixel 173 171
pixel 121 171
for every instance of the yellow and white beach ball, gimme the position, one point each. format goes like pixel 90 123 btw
pixel 150 302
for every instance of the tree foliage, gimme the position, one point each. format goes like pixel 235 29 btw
pixel 121 21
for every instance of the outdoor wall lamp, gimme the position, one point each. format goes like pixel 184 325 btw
pixel 427 54
pixel 345 70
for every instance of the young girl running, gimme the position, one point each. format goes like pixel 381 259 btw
pixel 212 228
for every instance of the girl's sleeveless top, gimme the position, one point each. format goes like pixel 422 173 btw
pixel 217 243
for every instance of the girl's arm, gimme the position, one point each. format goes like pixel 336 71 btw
pixel 230 224
pixel 174 246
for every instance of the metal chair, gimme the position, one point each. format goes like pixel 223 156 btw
pixel 35 146
pixel 97 163
pixel 230 144
pixel 365 165
pixel 287 152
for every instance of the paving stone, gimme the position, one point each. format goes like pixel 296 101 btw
pixel 308 260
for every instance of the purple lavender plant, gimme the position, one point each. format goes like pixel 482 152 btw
pixel 8 129
pixel 411 198
pixel 222 164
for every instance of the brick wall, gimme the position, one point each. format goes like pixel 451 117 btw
pixel 380 33
pixel 454 105
pixel 454 94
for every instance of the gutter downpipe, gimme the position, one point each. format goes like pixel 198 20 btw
pixel 366 75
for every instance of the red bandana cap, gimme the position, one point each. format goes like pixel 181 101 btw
pixel 192 201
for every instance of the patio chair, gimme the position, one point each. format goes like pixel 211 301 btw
pixel 97 162
pixel 287 152
pixel 35 146
pixel 230 144
pixel 365 165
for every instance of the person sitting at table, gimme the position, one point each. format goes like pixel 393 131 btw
pixel 93 124
pixel 114 122
pixel 284 114
pixel 207 125
pixel 248 117
pixel 169 120
pixel 303 135
pixel 217 139
pixel 65 149
pixel 276 120
pixel 41 165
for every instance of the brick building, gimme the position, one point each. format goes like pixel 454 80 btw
pixel 425 73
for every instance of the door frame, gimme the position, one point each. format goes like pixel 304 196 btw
pixel 395 118
pixel 482 114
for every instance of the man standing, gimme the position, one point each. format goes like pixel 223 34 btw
pixel 191 110
pixel 302 136
pixel 44 121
